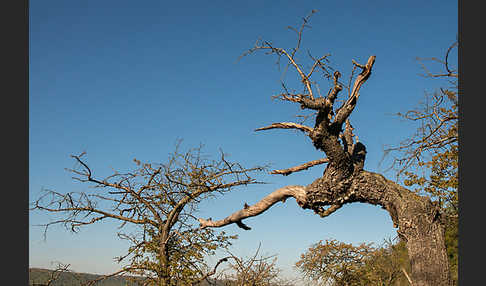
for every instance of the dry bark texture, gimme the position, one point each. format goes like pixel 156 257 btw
pixel 344 181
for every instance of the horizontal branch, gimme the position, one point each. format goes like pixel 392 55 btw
pixel 90 210
pixel 298 192
pixel 298 168
pixel 286 125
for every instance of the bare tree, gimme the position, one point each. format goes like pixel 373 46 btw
pixel 158 201
pixel 344 180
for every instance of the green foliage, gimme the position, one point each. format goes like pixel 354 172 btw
pixel 185 253
pixel 440 181
pixel 337 263
pixel 334 261
pixel 386 265
pixel 451 241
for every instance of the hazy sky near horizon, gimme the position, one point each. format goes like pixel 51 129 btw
pixel 126 79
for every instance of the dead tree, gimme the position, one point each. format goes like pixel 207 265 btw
pixel 344 180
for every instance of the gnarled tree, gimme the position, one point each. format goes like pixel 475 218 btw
pixel 344 180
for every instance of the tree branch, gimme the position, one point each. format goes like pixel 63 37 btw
pixel 301 167
pixel 212 272
pixel 287 125
pixel 326 212
pixel 345 110
pixel 298 192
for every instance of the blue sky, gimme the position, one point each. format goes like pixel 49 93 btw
pixel 125 79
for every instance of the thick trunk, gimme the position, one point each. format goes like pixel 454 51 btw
pixel 428 256
pixel 164 278
pixel 344 181
pixel 417 218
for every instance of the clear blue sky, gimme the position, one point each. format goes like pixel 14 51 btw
pixel 125 79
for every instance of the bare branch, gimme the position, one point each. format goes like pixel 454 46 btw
pixel 211 273
pixel 301 167
pixel 60 269
pixel 449 72
pixel 349 105
pixel 298 192
pixel 287 125
pixel 358 65
pixel 265 45
pixel 318 63
pixel 299 32
pixel 90 210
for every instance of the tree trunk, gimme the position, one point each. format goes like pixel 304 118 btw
pixel 164 278
pixel 428 256
pixel 418 219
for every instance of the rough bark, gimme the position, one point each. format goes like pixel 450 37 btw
pixel 417 218
pixel 419 224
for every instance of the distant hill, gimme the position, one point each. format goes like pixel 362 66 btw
pixel 39 276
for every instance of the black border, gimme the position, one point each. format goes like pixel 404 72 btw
pixel 471 146
pixel 15 133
